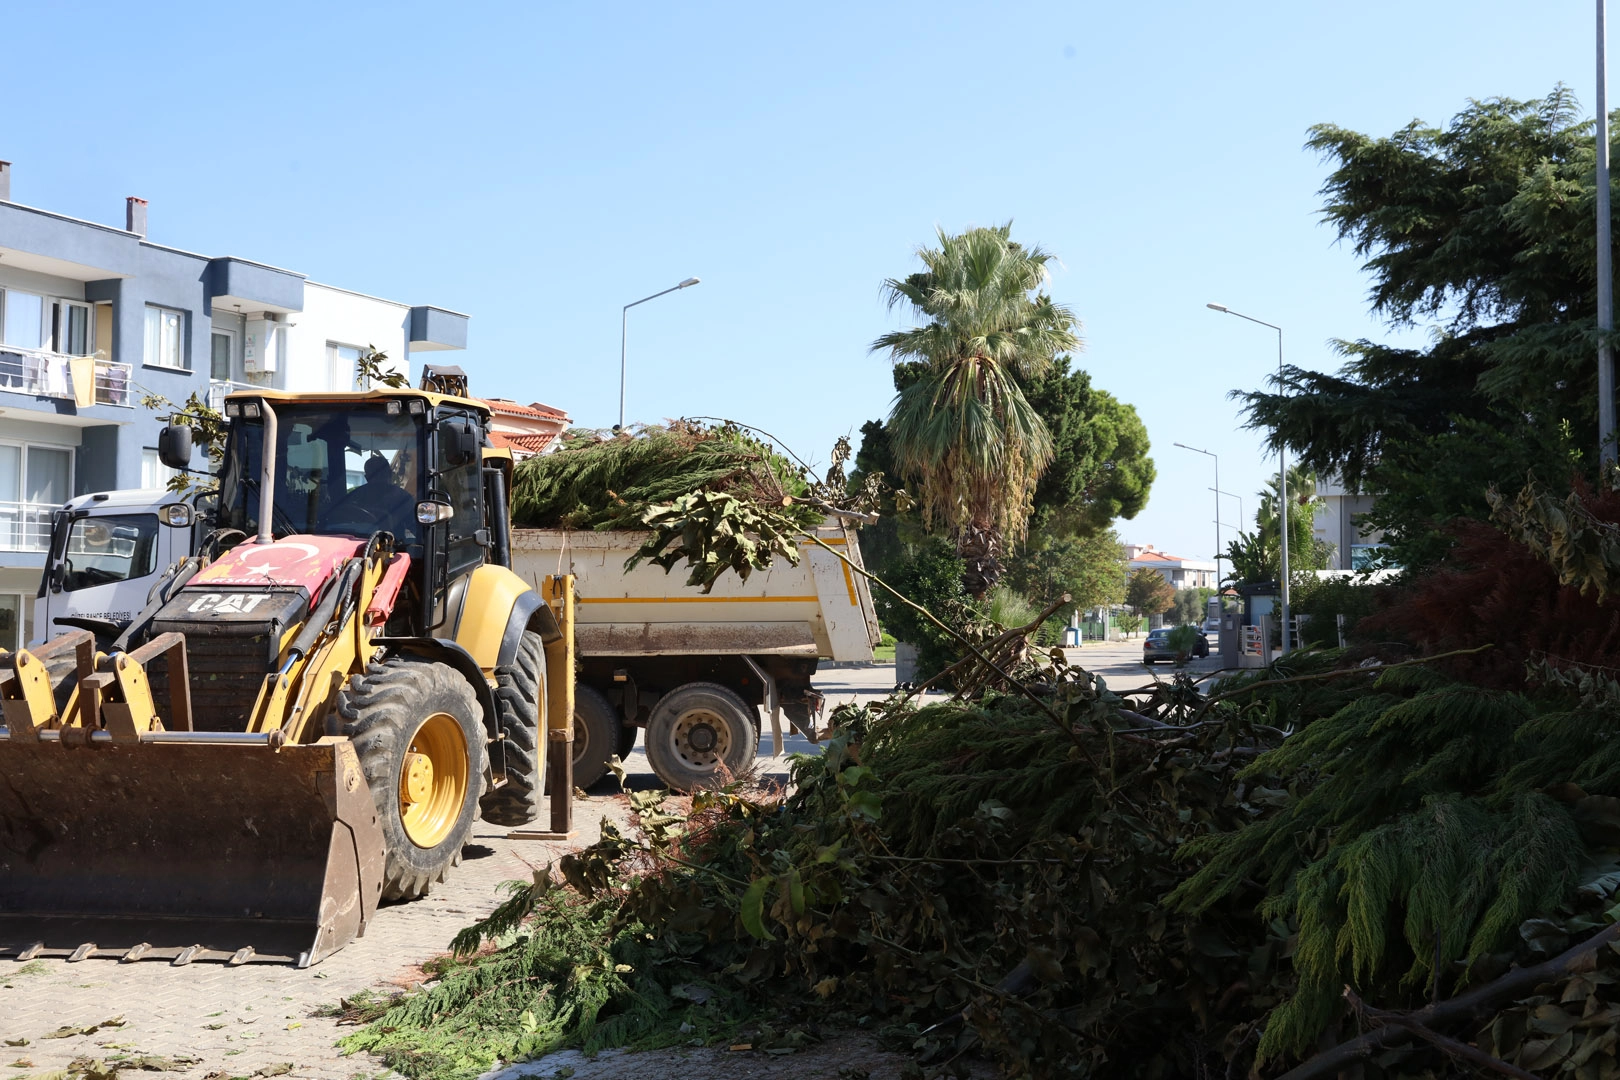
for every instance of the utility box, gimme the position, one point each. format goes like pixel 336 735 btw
pixel 1229 640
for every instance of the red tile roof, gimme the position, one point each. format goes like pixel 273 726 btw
pixel 526 443
pixel 508 407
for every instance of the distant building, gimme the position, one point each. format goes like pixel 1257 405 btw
pixel 1179 572
pixel 1337 508
pixel 93 317
pixel 526 430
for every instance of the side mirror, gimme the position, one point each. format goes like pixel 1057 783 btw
pixel 176 515
pixel 460 444
pixel 174 446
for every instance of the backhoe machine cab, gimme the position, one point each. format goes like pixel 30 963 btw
pixel 306 718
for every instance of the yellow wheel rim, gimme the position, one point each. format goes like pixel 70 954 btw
pixel 433 780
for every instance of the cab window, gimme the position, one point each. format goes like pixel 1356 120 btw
pixel 462 484
pixel 107 550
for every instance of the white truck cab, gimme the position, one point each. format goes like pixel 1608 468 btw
pixel 107 551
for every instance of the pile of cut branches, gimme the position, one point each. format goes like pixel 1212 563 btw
pixel 1330 864
pixel 611 483
pixel 964 875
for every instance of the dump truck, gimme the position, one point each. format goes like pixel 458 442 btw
pixel 106 551
pixel 695 670
pixel 306 717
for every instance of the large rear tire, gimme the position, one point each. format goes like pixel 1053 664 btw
pixel 596 734
pixel 418 732
pixel 701 733
pixel 520 711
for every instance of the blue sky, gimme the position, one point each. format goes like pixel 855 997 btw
pixel 539 166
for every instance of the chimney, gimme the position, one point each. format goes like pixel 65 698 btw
pixel 135 216
pixel 5 181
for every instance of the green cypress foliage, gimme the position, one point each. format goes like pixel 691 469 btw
pixel 594 483
pixel 1413 833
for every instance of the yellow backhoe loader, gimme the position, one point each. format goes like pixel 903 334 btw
pixel 305 721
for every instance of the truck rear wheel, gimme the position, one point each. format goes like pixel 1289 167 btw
pixel 520 710
pixel 417 730
pixel 699 732
pixel 596 734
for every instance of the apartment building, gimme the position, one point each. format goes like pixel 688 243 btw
pixel 1336 521
pixel 94 317
pixel 1178 571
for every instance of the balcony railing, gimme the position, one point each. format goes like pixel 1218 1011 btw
pixel 218 388
pixel 26 526
pixel 40 373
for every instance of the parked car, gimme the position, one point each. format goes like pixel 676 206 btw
pixel 1156 646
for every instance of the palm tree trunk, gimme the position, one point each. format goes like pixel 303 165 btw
pixel 979 545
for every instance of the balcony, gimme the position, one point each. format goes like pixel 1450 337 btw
pixel 218 388
pixel 26 526
pixel 40 373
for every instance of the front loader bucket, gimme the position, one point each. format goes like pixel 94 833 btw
pixel 184 846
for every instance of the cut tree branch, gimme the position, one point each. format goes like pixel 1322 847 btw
pixel 1515 984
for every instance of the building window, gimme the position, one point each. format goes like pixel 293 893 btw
pixel 22 319
pixel 1366 556
pixel 165 338
pixel 73 327
pixel 11 620
pixel 154 474
pixel 221 353
pixel 34 481
pixel 344 364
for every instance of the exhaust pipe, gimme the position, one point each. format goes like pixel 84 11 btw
pixel 267 478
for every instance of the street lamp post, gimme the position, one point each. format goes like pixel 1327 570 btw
pixel 1231 495
pixel 1282 477
pixel 1216 458
pixel 624 332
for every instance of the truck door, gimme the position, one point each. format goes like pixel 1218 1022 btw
pixel 105 570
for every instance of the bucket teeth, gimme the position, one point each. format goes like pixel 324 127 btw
pixel 135 953
pixel 32 951
pixel 83 952
pixel 241 956
pixel 187 955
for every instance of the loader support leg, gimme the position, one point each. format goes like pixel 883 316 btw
pixel 560 770
pixel 560 704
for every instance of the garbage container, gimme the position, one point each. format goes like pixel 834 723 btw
pixel 1071 637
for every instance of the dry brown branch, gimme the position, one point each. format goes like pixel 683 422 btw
pixel 1515 984
pixel 1383 1017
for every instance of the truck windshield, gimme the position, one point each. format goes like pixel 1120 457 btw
pixel 339 471
pixel 108 549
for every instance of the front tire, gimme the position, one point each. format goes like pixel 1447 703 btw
pixel 520 713
pixel 418 732
pixel 596 734
pixel 699 732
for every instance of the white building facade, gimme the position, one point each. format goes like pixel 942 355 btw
pixel 94 317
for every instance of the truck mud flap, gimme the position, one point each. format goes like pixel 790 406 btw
pixel 184 847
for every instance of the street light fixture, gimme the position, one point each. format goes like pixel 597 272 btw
pixel 1282 476
pixel 1216 488
pixel 624 330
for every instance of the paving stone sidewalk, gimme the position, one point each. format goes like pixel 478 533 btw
pixel 237 1022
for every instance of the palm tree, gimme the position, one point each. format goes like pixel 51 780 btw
pixel 961 430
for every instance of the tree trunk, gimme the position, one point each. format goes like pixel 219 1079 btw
pixel 979 545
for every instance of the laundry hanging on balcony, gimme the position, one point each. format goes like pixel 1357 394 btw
pixel 82 371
